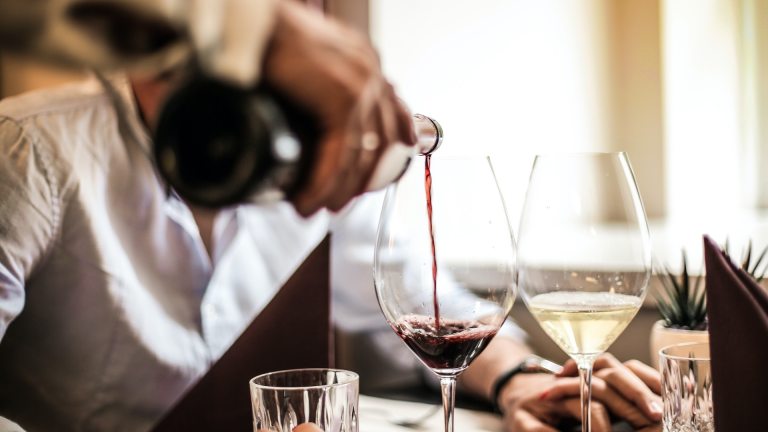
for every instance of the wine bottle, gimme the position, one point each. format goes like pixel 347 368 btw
pixel 218 145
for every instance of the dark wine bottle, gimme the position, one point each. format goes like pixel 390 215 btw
pixel 218 145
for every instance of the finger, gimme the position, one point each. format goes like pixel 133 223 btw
pixel 606 360
pixel 563 388
pixel 405 131
pixel 389 113
pixel 647 374
pixel 387 126
pixel 634 389
pixel 566 388
pixel 371 144
pixel 330 159
pixel 569 369
pixel 600 419
pixel 523 421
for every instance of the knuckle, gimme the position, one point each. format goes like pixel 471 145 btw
pixel 348 94
pixel 603 376
pixel 599 386
pixel 610 374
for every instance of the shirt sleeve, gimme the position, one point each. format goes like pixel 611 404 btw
pixel 29 213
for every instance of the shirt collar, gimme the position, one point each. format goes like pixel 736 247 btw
pixel 119 90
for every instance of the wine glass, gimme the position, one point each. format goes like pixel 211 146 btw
pixel 444 265
pixel 584 254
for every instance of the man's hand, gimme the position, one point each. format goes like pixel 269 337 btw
pixel 334 73
pixel 629 391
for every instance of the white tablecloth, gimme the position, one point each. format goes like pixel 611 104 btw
pixel 376 415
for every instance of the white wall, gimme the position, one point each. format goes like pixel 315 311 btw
pixel 509 78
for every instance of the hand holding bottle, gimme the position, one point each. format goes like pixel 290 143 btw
pixel 322 127
pixel 334 73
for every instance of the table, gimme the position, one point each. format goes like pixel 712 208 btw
pixel 376 415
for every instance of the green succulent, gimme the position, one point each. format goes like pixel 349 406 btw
pixel 682 301
pixel 758 268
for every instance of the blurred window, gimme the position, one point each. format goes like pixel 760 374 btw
pixel 680 85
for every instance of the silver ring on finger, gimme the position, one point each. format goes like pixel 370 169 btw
pixel 370 142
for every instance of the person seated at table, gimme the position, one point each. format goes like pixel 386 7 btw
pixel 98 264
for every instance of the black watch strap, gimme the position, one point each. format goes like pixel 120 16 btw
pixel 531 364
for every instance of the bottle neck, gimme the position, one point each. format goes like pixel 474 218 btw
pixel 429 134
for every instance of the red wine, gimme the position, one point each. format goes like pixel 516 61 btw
pixel 452 346
pixel 428 190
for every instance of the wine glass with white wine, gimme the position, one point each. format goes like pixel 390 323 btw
pixel 584 254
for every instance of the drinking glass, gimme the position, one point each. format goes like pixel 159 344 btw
pixel 686 387
pixel 584 254
pixel 444 264
pixel 283 400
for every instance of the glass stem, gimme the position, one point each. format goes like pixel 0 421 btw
pixel 448 389
pixel 585 376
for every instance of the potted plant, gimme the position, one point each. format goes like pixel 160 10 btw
pixel 754 270
pixel 682 303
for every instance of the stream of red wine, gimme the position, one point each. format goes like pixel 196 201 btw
pixel 428 189
pixel 448 344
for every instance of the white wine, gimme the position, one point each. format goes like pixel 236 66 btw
pixel 584 324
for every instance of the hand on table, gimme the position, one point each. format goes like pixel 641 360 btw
pixel 627 391
pixel 335 74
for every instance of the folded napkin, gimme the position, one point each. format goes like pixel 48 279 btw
pixel 737 309
pixel 293 331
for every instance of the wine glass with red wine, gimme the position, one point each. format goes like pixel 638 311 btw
pixel 444 265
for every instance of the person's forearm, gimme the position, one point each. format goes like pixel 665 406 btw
pixel 501 355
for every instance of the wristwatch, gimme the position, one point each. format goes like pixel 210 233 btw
pixel 531 364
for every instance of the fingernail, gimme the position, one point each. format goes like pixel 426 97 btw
pixel 543 395
pixel 655 408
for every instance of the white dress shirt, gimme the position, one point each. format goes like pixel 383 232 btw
pixel 110 305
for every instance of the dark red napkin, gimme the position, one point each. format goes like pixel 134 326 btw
pixel 293 331
pixel 737 309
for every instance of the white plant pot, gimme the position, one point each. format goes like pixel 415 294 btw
pixel 662 336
